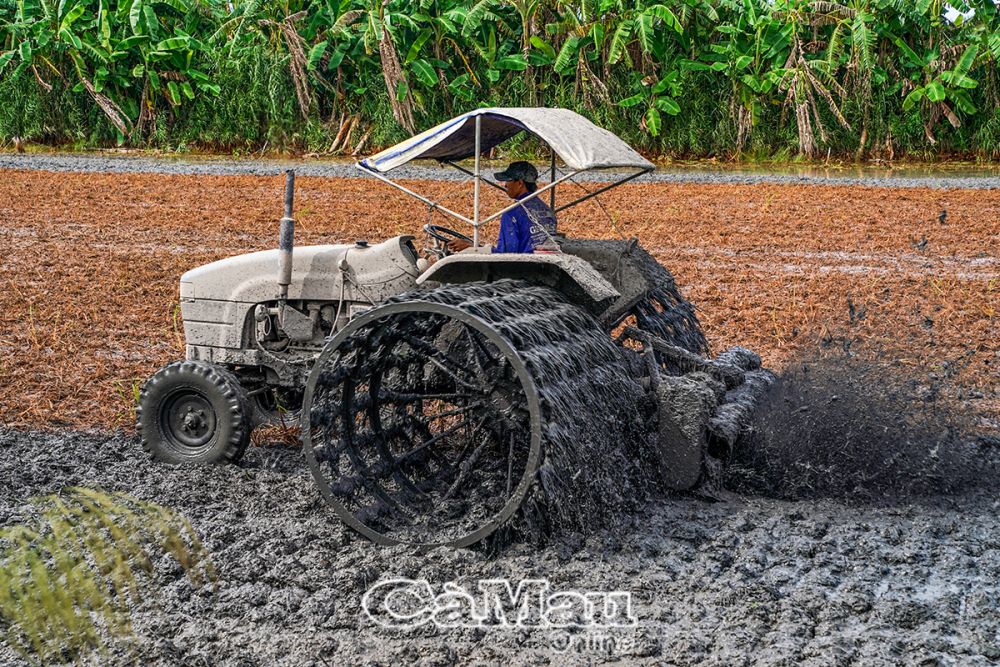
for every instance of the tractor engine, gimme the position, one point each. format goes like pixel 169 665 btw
pixel 234 316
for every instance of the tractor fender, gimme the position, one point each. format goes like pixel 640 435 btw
pixel 572 276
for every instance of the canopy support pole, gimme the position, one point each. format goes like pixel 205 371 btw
pixel 603 189
pixel 478 179
pixel 552 178
pixel 433 204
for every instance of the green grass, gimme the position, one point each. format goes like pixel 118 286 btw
pixel 71 574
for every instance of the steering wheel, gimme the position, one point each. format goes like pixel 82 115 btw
pixel 442 235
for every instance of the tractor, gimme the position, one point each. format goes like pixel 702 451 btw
pixel 447 398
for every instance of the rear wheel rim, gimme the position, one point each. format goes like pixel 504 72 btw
pixel 381 428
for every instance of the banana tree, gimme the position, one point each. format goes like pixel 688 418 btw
pixel 102 50
pixel 749 52
pixel 984 30
pixel 439 26
pixel 376 23
pixel 56 40
pixel 498 55
pixel 937 90
pixel 584 29
pixel 647 26
pixel 172 62
pixel 526 11
pixel 289 28
pixel 806 81
pixel 657 97
pixel 852 35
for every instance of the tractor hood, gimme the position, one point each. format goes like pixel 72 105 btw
pixel 373 272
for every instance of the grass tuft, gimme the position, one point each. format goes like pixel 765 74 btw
pixel 73 572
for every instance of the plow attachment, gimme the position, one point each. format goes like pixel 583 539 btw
pixel 704 405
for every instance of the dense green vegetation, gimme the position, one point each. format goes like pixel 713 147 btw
pixel 864 78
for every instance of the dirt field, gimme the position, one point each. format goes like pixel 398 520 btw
pixel 88 304
pixel 90 266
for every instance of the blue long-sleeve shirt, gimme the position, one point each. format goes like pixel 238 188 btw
pixel 525 227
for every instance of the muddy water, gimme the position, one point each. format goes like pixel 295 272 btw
pixel 746 580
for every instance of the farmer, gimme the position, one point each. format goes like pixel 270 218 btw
pixel 527 227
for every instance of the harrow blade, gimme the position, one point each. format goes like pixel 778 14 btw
pixel 704 405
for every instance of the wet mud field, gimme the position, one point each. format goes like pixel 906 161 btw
pixel 878 543
pixel 748 580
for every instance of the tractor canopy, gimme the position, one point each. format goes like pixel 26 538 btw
pixel 581 145
pixel 577 142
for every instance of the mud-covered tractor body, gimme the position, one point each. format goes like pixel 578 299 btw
pixel 482 394
pixel 230 308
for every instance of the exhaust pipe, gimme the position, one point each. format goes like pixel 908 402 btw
pixel 293 323
pixel 286 239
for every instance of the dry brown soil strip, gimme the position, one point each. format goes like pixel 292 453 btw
pixel 90 264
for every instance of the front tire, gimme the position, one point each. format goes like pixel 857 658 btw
pixel 194 412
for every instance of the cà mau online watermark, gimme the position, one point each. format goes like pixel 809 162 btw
pixel 503 604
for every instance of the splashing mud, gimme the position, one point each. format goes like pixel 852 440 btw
pixel 862 430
